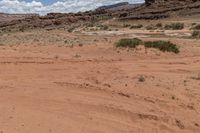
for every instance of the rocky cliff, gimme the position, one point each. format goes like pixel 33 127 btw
pixel 158 9
pixel 168 1
pixel 152 9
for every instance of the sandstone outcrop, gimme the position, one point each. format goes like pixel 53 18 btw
pixel 151 9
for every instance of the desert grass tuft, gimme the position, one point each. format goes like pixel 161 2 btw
pixel 196 34
pixel 196 27
pixel 174 26
pixel 164 46
pixel 136 26
pixel 128 43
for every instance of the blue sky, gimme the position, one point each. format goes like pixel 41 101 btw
pixel 46 6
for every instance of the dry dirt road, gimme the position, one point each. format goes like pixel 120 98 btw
pixel 99 89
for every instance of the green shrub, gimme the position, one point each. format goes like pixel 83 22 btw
pixel 137 26
pixel 159 25
pixel 126 25
pixel 194 24
pixel 128 43
pixel 71 29
pixel 162 46
pixel 103 27
pixel 92 24
pixel 196 27
pixel 196 34
pixel 174 26
pixel 151 27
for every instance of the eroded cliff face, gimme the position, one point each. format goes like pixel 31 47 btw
pixel 159 9
pixel 153 9
pixel 167 1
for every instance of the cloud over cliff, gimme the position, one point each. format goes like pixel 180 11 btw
pixel 17 6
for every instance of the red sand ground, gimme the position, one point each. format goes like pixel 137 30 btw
pixel 99 89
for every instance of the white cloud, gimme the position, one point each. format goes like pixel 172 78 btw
pixel 16 6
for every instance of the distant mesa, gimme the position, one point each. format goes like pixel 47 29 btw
pixel 9 17
pixel 113 6
pixel 169 1
pixel 118 6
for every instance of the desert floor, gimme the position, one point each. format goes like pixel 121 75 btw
pixel 49 85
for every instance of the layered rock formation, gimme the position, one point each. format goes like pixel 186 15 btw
pixel 168 1
pixel 157 9
pixel 152 9
pixel 113 6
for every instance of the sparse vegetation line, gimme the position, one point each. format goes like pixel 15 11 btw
pixel 171 26
pixel 126 42
pixel 174 26
pixel 164 46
